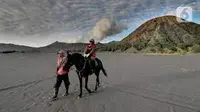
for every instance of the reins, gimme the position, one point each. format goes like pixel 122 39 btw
pixel 79 71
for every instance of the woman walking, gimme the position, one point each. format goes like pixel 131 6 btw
pixel 62 75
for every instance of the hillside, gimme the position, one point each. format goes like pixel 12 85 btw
pixel 74 47
pixel 9 48
pixel 163 34
pixel 52 48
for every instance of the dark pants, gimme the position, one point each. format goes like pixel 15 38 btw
pixel 61 78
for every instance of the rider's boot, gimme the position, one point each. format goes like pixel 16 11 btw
pixel 95 63
pixel 92 65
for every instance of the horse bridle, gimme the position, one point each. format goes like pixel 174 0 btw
pixel 79 71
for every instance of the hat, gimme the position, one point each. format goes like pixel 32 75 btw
pixel 92 40
pixel 61 52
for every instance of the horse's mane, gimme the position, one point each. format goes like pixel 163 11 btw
pixel 77 56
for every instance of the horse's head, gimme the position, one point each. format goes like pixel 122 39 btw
pixel 70 61
pixel 74 59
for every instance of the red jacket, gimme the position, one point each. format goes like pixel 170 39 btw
pixel 89 48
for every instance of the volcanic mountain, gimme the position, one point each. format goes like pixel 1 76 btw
pixel 161 33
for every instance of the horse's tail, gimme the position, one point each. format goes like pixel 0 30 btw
pixel 104 71
pixel 101 67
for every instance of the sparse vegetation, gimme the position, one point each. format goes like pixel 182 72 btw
pixel 195 48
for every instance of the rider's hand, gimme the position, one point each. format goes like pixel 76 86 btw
pixel 85 55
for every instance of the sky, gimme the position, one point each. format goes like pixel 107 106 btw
pixel 40 22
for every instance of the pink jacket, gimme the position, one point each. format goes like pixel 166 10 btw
pixel 60 64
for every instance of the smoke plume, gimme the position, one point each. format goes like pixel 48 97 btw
pixel 106 27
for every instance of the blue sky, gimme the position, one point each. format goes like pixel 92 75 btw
pixel 196 17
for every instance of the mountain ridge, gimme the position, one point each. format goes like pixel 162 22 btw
pixel 53 47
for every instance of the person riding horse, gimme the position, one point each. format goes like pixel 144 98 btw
pixel 83 70
pixel 90 53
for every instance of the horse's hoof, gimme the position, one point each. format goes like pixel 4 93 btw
pixel 94 91
pixel 79 97
pixel 54 99
pixel 90 92
pixel 66 94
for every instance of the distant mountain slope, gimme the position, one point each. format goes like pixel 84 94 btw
pixel 75 47
pixel 12 47
pixel 162 33
pixel 60 45
pixel 78 47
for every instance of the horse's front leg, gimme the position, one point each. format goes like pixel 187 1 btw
pixel 80 84
pixel 86 85
pixel 80 81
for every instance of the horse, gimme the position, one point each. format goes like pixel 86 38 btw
pixel 83 70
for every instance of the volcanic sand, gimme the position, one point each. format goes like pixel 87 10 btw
pixel 135 83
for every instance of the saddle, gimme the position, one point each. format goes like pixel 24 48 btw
pixel 92 63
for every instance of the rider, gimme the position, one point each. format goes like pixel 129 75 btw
pixel 90 52
pixel 62 75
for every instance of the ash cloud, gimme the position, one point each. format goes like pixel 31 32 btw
pixel 106 27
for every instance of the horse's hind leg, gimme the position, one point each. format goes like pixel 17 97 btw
pixel 97 80
pixel 86 85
